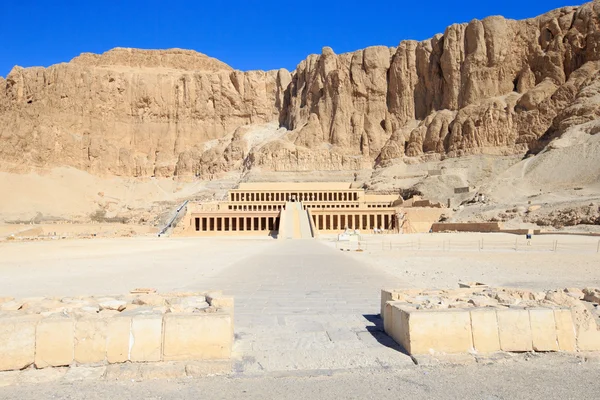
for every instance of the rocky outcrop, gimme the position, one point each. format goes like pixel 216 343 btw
pixel 105 117
pixel 494 86
pixel 177 59
pixel 483 87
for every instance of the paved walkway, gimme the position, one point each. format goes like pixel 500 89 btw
pixel 301 305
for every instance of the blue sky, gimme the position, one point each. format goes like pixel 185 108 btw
pixel 244 34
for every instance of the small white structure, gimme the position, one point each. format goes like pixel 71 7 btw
pixel 349 235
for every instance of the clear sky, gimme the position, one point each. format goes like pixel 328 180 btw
pixel 244 34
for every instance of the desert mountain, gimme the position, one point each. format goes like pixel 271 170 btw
pixel 495 87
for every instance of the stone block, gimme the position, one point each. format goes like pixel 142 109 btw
pixel 398 329
pixel 197 336
pixel 17 342
pixel 112 304
pixel 221 301
pixel 565 330
pixel 439 331
pixel 154 300
pixel 592 295
pixel 575 292
pixel 11 305
pixel 588 340
pixel 514 330
pixel 483 301
pixel 140 310
pixel 90 340
pixel 146 338
pixel 198 302
pixel 210 295
pixel 543 329
pixel 31 303
pixel 118 330
pixel 386 316
pixel 54 344
pixel 484 325
pixel 386 295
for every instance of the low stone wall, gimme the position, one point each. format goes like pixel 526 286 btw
pixel 466 227
pixel 422 218
pixel 490 320
pixel 52 332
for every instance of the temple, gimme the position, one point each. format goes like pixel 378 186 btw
pixel 297 210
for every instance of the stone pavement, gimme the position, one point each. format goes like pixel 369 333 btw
pixel 537 376
pixel 301 305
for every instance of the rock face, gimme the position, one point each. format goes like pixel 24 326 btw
pixel 495 86
pixel 108 114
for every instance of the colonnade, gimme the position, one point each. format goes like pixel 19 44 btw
pixel 256 207
pixel 235 224
pixel 362 221
pixel 278 207
pixel 291 195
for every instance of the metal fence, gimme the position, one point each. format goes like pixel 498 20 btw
pixel 519 244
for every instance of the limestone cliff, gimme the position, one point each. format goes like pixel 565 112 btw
pixel 491 86
pixel 495 86
pixel 128 112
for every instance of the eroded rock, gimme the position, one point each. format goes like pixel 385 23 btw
pixel 495 86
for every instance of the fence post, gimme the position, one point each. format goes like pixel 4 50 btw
pixel 419 244
pixel 390 245
pixel 382 246
pixel 516 244
pixel 481 244
pixel 556 246
pixel 598 248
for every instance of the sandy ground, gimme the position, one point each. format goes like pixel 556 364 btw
pixel 305 317
pixel 443 260
pixel 115 266
pixel 56 231
pixel 535 379
pixel 102 266
pixel 68 194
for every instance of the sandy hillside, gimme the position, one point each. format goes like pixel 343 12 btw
pixel 73 195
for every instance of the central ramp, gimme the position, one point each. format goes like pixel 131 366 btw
pixel 294 222
pixel 304 306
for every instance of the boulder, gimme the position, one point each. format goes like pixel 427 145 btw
pixel 592 295
pixel 575 293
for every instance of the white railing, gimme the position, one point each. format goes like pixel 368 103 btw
pixel 519 244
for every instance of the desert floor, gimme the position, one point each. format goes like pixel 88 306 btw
pixel 306 311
